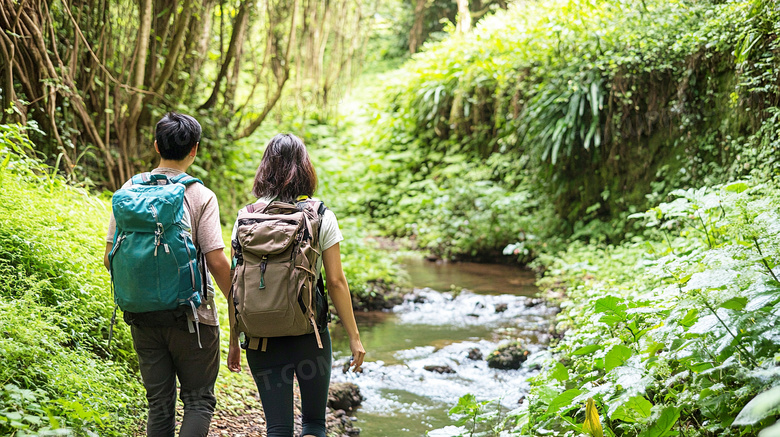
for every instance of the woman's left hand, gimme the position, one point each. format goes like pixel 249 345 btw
pixel 234 358
pixel 358 353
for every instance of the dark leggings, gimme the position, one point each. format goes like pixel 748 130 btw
pixel 273 371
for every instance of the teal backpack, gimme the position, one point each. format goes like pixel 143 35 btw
pixel 154 264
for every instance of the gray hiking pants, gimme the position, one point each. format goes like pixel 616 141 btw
pixel 165 353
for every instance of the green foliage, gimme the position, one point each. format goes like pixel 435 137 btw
pixel 589 105
pixel 472 418
pixel 55 307
pixel 673 332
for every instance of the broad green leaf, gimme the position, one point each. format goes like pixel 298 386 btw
pixel 691 317
pixel 760 407
pixel 32 419
pixel 613 310
pixel 610 304
pixel 18 425
pixel 700 367
pixel 610 319
pixel 664 423
pixel 13 415
pixel 585 350
pixel 736 187
pixel 736 303
pixel 652 348
pixel 592 425
pixel 560 372
pixel 563 399
pixel 617 356
pixel 545 394
pixel 633 410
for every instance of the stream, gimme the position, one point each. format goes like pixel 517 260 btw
pixel 440 328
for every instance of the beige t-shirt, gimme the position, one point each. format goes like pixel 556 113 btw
pixel 330 233
pixel 206 232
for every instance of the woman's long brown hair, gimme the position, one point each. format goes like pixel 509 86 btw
pixel 285 172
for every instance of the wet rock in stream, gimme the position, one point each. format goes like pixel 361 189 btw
pixel 475 354
pixel 530 303
pixel 509 356
pixel 344 396
pixel 378 296
pixel 501 307
pixel 439 369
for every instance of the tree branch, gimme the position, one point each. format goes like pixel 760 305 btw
pixel 237 37
pixel 280 81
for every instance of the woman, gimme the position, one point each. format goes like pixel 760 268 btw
pixel 286 174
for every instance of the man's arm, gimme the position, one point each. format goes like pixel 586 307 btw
pixel 109 246
pixel 219 266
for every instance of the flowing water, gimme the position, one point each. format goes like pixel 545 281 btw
pixel 440 329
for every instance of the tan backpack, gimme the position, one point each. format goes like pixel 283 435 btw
pixel 275 290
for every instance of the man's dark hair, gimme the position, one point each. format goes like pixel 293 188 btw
pixel 285 172
pixel 176 135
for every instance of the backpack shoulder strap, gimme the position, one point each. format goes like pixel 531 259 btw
pixel 185 179
pixel 256 207
pixel 319 209
pixel 141 178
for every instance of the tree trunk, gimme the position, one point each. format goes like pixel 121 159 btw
pixel 281 76
pixel 7 82
pixel 416 33
pixel 129 136
pixel 195 52
pixel 236 40
pixel 172 60
pixel 464 17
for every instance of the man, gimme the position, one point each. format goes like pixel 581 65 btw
pixel 166 348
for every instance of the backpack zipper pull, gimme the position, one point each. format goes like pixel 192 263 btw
pixel 263 264
pixel 158 232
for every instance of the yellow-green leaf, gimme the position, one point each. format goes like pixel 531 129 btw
pixel 592 424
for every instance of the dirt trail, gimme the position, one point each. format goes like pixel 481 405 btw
pixel 251 422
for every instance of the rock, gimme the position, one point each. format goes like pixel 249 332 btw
pixel 419 299
pixel 339 424
pixel 501 307
pixel 439 369
pixel 344 396
pixel 509 356
pixel 530 303
pixel 378 296
pixel 475 354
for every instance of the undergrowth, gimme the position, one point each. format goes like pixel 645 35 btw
pixel 58 376
pixel 677 333
pixel 577 113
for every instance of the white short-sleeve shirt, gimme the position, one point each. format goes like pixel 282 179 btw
pixel 330 233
